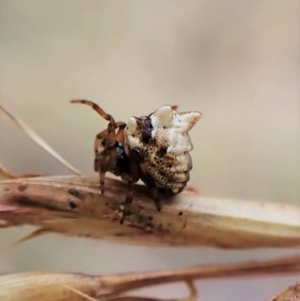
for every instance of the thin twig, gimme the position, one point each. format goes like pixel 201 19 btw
pixel 284 265
pixel 38 140
pixel 56 286
pixel 9 175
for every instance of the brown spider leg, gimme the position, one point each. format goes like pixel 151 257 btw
pixel 99 110
pixel 113 160
pixel 109 141
pixel 128 202
pixel 97 142
pixel 137 164
pixel 108 155
pixel 118 138
pixel 110 136
pixel 108 148
pixel 103 134
pixel 135 157
pixel 120 134
pixel 108 160
pixel 100 136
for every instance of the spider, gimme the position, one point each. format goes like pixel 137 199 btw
pixel 154 148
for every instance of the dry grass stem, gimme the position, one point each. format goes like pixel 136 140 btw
pixel 73 206
pixel 63 286
pixel 192 297
pixel 292 293
pixel 38 140
pixel 5 173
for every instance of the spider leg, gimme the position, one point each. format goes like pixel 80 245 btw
pixel 99 137
pixel 107 154
pixel 133 178
pixel 137 164
pixel 99 110
pixel 118 137
pixel 120 133
pixel 102 135
pixel 106 160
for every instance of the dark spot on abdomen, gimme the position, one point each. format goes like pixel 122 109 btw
pixel 163 174
pixel 162 151
pixel 22 187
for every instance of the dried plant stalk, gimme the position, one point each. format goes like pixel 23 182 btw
pixel 37 139
pixel 46 286
pixel 73 205
pixel 5 173
pixel 292 293
pixel 56 286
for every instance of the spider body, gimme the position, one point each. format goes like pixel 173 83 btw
pixel 153 148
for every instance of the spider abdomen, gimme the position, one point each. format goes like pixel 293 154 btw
pixel 164 141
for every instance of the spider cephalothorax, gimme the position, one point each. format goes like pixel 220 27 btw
pixel 153 148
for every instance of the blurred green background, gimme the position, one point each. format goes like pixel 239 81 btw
pixel 235 61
